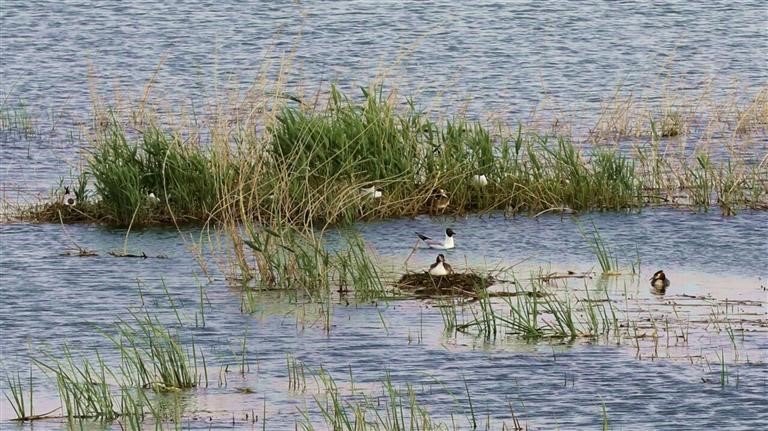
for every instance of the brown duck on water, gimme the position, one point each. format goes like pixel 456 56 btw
pixel 659 282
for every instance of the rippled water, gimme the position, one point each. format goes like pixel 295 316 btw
pixel 500 57
pixel 509 58
pixel 505 53
pixel 47 298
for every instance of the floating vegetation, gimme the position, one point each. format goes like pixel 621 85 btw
pixel 462 284
pixel 143 255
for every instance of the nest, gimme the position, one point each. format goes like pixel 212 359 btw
pixel 423 284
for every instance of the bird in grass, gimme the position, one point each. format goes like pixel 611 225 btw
pixel 370 192
pixel 439 200
pixel 440 268
pixel 69 198
pixel 480 180
pixel 445 244
pixel 152 198
pixel 659 282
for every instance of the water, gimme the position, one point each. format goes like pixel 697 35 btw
pixel 48 298
pixel 507 58
pixel 510 59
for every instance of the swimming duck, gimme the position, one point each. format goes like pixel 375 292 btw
pixel 69 198
pixel 439 200
pixel 445 244
pixel 659 281
pixel 440 268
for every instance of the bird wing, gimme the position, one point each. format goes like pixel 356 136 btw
pixel 423 237
pixel 435 244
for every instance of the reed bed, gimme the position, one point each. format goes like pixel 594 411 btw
pixel 270 157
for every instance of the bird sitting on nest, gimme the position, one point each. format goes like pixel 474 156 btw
pixel 440 267
pixel 69 198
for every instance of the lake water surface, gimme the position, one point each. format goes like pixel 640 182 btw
pixel 504 57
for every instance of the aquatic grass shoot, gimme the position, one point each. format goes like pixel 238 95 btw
pixel 17 400
pixel 538 313
pixel 84 389
pixel 153 357
pixel 606 258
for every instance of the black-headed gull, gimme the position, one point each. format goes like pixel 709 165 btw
pixel 440 268
pixel 445 244
pixel 69 198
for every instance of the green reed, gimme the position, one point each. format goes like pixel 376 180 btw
pixel 396 409
pixel 290 259
pixel 306 166
pixel 16 118
pixel 17 399
pixel 84 389
pixel 538 313
pixel 606 258
pixel 153 357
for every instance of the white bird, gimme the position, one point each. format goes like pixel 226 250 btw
pixel 480 180
pixel 152 198
pixel 370 192
pixel 445 244
pixel 440 268
pixel 69 198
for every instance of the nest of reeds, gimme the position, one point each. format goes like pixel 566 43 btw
pixel 424 284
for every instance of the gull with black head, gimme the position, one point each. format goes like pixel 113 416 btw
pixel 445 244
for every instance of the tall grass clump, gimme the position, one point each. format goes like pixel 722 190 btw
pixel 151 358
pixel 16 119
pixel 154 357
pixel 395 409
pixel 180 176
pixel 84 389
pixel 606 258
pixel 291 259
pixel 303 164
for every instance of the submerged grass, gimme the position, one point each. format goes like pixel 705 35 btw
pixel 536 313
pixel 302 165
pixel 151 359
